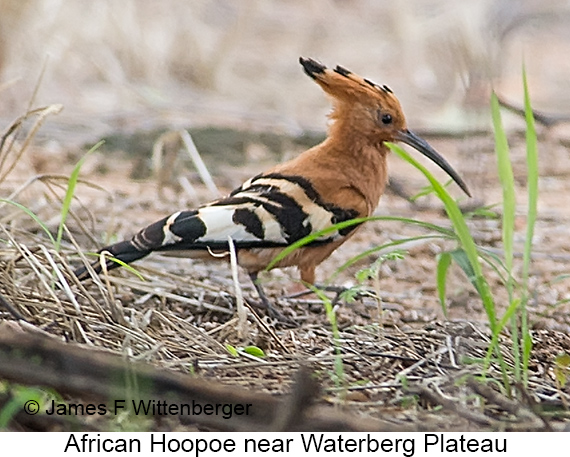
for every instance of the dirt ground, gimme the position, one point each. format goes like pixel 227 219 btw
pixel 405 364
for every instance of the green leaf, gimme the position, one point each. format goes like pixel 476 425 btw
pixel 561 372
pixel 562 360
pixel 255 351
pixel 461 259
pixel 350 294
pixel 507 181
pixel 484 212
pixel 232 350
pixel 19 396
pixel 443 262
pixel 30 213
pixel 403 380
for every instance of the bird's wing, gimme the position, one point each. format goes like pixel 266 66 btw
pixel 266 211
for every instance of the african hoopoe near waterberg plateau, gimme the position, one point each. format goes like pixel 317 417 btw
pixel 340 179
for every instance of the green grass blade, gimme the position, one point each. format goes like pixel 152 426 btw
pixel 331 316
pixel 333 228
pixel 357 258
pixel 486 212
pixel 313 237
pixel 495 262
pixel 443 263
pixel 532 180
pixel 505 171
pixel 506 178
pixel 509 314
pixel 507 182
pixel 70 192
pixel 126 266
pixel 427 190
pixel 532 189
pixel 30 213
pixel 462 260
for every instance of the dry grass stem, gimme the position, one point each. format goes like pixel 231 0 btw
pixel 242 326
pixel 199 164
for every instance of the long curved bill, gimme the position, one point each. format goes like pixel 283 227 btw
pixel 411 139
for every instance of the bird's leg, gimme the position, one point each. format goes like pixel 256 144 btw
pixel 264 300
pixel 260 291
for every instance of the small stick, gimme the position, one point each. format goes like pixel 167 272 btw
pixel 8 306
pixel 241 311
pixel 199 163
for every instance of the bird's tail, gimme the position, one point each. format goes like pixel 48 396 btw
pixel 124 251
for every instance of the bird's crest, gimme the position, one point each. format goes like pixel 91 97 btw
pixel 363 109
pixel 342 84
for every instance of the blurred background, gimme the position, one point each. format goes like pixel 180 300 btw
pixel 138 64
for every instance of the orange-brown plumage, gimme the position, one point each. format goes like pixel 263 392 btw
pixel 340 179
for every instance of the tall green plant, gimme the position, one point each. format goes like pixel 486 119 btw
pixel 467 257
pixel 461 230
pixel 505 173
pixel 517 310
pixel 532 189
pixel 70 192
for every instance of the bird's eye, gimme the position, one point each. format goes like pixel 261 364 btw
pixel 386 119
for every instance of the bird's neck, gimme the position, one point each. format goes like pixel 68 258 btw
pixel 344 165
pixel 363 163
pixel 345 160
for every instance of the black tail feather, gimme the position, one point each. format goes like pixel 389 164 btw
pixel 124 251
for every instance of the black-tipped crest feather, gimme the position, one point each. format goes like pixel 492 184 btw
pixel 342 71
pixel 312 67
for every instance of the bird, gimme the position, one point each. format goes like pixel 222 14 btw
pixel 338 180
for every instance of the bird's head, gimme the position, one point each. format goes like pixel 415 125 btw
pixel 370 111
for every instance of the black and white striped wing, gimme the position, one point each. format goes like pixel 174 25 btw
pixel 265 212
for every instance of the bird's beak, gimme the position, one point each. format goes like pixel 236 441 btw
pixel 411 139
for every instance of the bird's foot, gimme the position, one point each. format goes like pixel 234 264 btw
pixel 273 313
pixel 306 291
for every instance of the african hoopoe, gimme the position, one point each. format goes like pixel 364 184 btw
pixel 340 179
